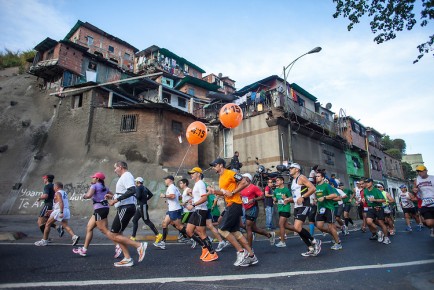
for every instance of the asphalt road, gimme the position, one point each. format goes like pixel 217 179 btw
pixel 407 263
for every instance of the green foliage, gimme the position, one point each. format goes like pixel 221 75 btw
pixel 399 144
pixel 387 142
pixel 395 153
pixel 409 173
pixel 388 17
pixel 13 59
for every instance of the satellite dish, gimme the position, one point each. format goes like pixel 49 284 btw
pixel 220 75
pixel 328 106
pixel 280 89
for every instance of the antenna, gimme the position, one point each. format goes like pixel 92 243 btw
pixel 328 106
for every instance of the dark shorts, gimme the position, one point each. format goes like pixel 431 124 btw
pixel 301 213
pixel 285 214
pixel 339 210
pixel 45 208
pixel 101 213
pixel 312 214
pixel 175 214
pixel 347 207
pixel 375 213
pixel 186 216
pixel 251 214
pixel 325 215
pixel 198 218
pixel 410 211
pixel 427 212
pixel 123 216
pixel 231 219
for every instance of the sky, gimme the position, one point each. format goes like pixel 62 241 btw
pixel 249 40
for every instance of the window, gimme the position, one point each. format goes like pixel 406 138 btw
pixel 127 56
pixel 191 91
pixel 182 102
pixel 77 101
pixel 300 102
pixel 167 98
pixel 227 143
pixel 111 49
pixel 177 127
pixel 356 162
pixel 92 66
pixel 129 123
pixel 89 40
pixel 356 128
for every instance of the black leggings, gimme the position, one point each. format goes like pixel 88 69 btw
pixel 142 212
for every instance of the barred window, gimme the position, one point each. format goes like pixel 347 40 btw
pixel 129 123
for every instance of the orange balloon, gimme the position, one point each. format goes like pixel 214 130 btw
pixel 196 133
pixel 231 115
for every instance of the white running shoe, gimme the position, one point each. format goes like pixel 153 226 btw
pixel 336 247
pixel 41 243
pixel 240 257
pixel 309 253
pixel 80 251
pixel 281 244
pixel 75 240
pixel 220 246
pixel 380 236
pixel 124 263
pixel 247 261
pixel 193 243
pixel 386 241
pixel 317 246
pixel 118 251
pixel 142 251
pixel 272 238
pixel 161 245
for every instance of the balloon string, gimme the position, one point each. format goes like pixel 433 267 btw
pixel 183 160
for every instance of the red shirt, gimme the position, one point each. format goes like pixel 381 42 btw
pixel 248 194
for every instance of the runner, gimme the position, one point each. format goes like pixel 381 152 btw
pixel 347 206
pixel 388 219
pixel 231 184
pixel 186 213
pixel 339 208
pixel 124 201
pixel 59 213
pixel 375 199
pixel 143 194
pixel 326 206
pixel 250 197
pixel 406 200
pixel 97 192
pixel 424 188
pixel 302 189
pixel 47 196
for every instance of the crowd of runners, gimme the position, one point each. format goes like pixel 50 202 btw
pixel 322 201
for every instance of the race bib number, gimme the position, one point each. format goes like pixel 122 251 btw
pixel 238 177
pixel 428 202
pixel 322 210
pixel 280 201
pixel 245 199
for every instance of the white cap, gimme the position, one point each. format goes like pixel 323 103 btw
pixel 139 179
pixel 248 175
pixel 295 165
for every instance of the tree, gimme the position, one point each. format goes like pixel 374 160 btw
pixel 388 17
pixel 409 173
pixel 387 142
pixel 395 153
pixel 399 144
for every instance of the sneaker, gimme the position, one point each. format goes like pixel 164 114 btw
pixel 210 257
pixel 380 236
pixel 158 238
pixel 316 246
pixel 180 239
pixel 240 257
pixel 386 241
pixel 41 243
pixel 392 233
pixel 161 245
pixel 205 253
pixel 133 238
pixel 272 238
pixel 347 232
pixel 249 261
pixel 281 244
pixel 309 253
pixel 118 251
pixel 408 229
pixel 336 247
pixel 60 230
pixel 343 229
pixel 80 251
pixel 374 237
pixel 75 240
pixel 142 251
pixel 124 263
pixel 220 246
pixel 193 243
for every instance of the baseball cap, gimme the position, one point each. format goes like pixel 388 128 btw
pixel 195 169
pixel 403 186
pixel 169 177
pixel 421 168
pixel 369 180
pixel 50 177
pixel 295 165
pixel 379 185
pixel 98 175
pixel 218 161
pixel 248 175
pixel 139 179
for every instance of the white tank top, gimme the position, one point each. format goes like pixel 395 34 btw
pixel 296 190
pixel 405 200
pixel 358 195
pixel 64 195
pixel 426 190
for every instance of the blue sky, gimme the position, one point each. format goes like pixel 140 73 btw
pixel 251 40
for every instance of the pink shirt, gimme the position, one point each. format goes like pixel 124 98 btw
pixel 249 193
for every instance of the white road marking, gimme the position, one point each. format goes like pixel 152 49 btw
pixel 208 278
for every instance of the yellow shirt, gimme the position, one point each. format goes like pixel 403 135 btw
pixel 227 182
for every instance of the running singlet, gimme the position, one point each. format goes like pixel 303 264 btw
pixel 199 190
pixel 173 204
pixel 297 191
pixel 405 200
pixel 426 190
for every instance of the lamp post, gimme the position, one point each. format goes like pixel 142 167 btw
pixel 285 75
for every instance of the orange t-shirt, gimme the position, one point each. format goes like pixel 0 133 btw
pixel 227 182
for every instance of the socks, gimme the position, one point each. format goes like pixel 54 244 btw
pixel 311 229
